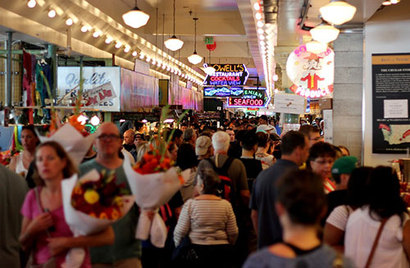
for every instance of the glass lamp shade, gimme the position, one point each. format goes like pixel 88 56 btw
pixel 174 43
pixel 337 12
pixel 324 33
pixel 195 58
pixel 316 47
pixel 209 70
pixel 135 18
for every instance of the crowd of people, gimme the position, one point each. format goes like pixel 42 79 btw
pixel 255 197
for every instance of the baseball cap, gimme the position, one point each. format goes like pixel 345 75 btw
pixel 264 128
pixel 344 165
pixel 202 145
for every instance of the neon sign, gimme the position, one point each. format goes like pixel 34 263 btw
pixel 251 98
pixel 222 91
pixel 227 75
pixel 312 74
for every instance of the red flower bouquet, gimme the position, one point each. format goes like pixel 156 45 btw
pixel 99 199
pixel 6 156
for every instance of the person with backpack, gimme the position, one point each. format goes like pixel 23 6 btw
pixel 233 187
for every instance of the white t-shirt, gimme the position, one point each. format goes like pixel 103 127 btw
pixel 339 216
pixel 360 234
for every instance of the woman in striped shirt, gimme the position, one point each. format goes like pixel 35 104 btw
pixel 209 222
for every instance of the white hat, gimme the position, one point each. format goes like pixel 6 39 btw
pixel 202 145
pixel 264 128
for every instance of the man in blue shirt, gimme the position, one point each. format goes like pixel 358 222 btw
pixel 295 151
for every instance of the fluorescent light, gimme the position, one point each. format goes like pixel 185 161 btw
pixel 84 28
pixel 127 49
pixel 134 53
pixel 108 40
pixel 118 44
pixel 69 22
pixel 96 34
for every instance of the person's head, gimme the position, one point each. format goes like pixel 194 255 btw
pixel 300 198
pixel 29 138
pixel 138 126
pixel 321 158
pixel 129 136
pixel 312 133
pixel 263 120
pixel 189 135
pixel 231 134
pixel 51 162
pixel 345 151
pixel 177 137
pixel 263 139
pixel 173 151
pixel 203 147
pixel 221 142
pixel 342 168
pixel 108 141
pixel 184 126
pixel 139 139
pixel 295 146
pixel 358 187
pixel 384 193
pixel 265 128
pixel 207 181
pixel 250 141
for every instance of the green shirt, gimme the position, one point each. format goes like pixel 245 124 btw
pixel 125 245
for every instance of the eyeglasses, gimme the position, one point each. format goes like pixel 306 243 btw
pixel 106 137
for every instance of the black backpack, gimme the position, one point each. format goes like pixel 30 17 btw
pixel 225 190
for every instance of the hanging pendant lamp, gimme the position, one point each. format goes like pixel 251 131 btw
pixel 337 12
pixel 174 43
pixel 135 18
pixel 195 58
pixel 324 33
pixel 316 47
pixel 208 69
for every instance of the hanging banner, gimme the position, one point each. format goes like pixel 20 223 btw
pixel 227 75
pixel 138 91
pixel 253 98
pixel 391 98
pixel 288 103
pixel 101 86
pixel 312 74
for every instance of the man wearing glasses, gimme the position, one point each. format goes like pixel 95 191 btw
pixel 126 250
pixel 312 133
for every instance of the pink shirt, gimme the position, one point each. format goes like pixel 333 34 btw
pixel 31 210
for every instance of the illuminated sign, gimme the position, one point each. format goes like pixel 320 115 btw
pixel 227 75
pixel 222 91
pixel 251 98
pixel 312 74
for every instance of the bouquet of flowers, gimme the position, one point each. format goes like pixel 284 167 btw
pixel 6 156
pixel 91 204
pixel 72 137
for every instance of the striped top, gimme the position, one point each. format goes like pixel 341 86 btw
pixel 207 222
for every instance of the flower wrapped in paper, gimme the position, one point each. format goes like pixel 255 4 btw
pixel 91 204
pixel 153 187
pixel 73 141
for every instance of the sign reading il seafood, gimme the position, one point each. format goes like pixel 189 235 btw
pixel 312 74
pixel 250 98
pixel 227 75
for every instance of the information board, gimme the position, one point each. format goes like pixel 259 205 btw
pixel 391 96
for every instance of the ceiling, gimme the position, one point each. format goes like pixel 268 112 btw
pixel 230 22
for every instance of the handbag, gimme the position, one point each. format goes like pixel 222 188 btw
pixel 50 263
pixel 376 241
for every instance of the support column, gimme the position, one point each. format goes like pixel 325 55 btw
pixel 52 53
pixel 8 95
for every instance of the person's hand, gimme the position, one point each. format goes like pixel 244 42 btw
pixel 57 245
pixel 42 222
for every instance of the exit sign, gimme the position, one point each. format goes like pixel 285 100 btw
pixel 209 40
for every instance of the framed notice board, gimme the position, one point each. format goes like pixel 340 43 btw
pixel 391 99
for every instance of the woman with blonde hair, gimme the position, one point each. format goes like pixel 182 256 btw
pixel 44 228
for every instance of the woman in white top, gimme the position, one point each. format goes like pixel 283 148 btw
pixel 209 222
pixel 21 162
pixel 262 154
pixel 357 189
pixel 385 204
